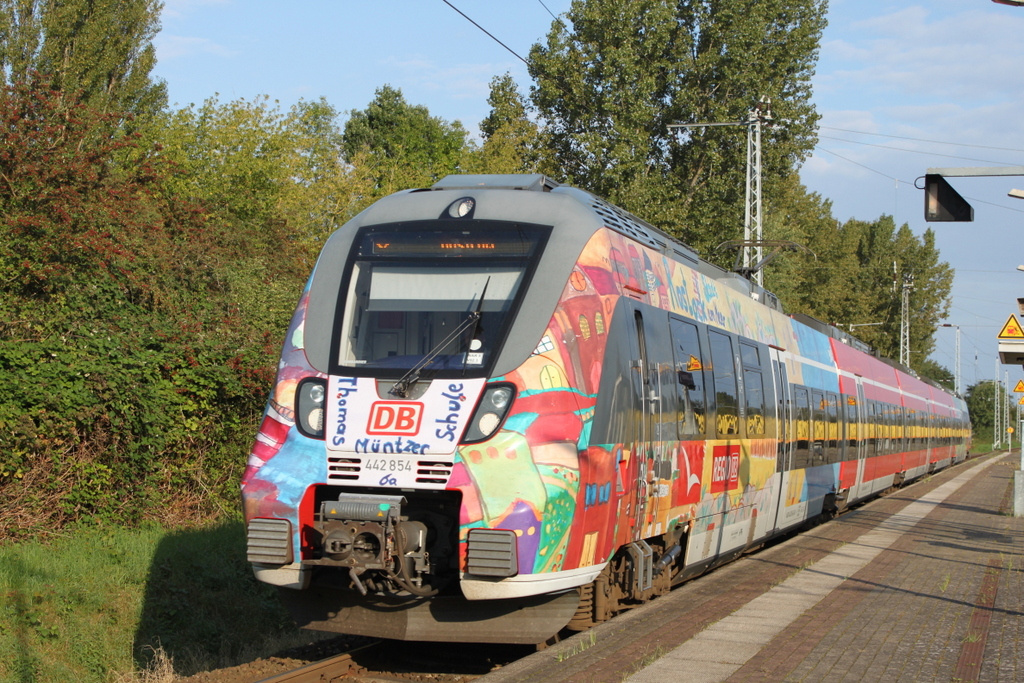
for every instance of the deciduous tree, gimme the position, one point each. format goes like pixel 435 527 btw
pixel 608 83
pixel 512 141
pixel 98 50
pixel 400 145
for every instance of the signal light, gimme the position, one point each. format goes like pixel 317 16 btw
pixel 943 203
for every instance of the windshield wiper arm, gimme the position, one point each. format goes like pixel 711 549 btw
pixel 402 386
pixel 476 324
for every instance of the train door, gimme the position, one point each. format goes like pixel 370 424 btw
pixel 784 428
pixel 655 430
pixel 783 412
pixel 861 444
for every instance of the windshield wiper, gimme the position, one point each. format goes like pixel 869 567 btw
pixel 402 386
pixel 476 325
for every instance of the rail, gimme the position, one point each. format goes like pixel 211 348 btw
pixel 324 670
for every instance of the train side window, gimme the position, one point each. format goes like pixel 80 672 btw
pixel 892 419
pixel 802 417
pixel 886 429
pixel 817 427
pixel 899 438
pixel 661 377
pixel 890 428
pixel 753 389
pixel 872 421
pixel 853 427
pixel 690 378
pixel 831 428
pixel 723 366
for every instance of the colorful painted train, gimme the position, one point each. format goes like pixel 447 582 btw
pixel 506 407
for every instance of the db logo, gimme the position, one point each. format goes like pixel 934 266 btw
pixel 395 417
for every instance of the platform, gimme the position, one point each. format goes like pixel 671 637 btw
pixel 926 584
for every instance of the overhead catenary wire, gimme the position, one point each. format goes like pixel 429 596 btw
pixel 486 31
pixel 912 151
pixel 898 180
pixel 857 163
pixel 549 11
pixel 934 142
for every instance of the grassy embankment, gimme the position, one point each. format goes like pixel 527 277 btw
pixel 96 605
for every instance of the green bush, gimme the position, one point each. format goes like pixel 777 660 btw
pixel 136 366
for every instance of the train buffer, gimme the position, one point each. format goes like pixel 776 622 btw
pixel 925 584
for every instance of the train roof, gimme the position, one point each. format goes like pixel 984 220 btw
pixel 618 219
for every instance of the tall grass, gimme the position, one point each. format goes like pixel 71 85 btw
pixel 103 604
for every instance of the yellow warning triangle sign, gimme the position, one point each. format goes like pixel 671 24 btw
pixel 1020 386
pixel 1021 401
pixel 1011 330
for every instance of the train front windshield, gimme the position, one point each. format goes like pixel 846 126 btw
pixel 430 292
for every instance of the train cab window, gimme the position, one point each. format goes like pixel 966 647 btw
pixel 689 377
pixel 433 292
pixel 753 389
pixel 723 366
pixel 802 418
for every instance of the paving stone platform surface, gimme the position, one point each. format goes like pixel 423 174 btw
pixel 926 584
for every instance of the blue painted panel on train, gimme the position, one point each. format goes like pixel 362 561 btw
pixel 815 346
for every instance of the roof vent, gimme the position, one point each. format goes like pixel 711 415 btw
pixel 534 182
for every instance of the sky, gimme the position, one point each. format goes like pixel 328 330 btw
pixel 900 87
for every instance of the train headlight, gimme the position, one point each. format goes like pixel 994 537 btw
pixel 309 407
pixel 490 412
pixel 462 207
pixel 500 397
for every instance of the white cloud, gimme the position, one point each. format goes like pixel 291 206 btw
pixel 972 54
pixel 173 47
pixel 424 80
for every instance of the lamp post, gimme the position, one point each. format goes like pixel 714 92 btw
pixel 956 373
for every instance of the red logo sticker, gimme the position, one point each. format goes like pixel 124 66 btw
pixel 725 468
pixel 395 417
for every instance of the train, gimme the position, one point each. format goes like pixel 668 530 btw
pixel 507 407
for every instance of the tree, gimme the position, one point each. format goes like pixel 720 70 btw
pixel 981 403
pixel 855 275
pixel 512 142
pixel 929 369
pixel 274 183
pixel 608 87
pixel 401 145
pixel 100 51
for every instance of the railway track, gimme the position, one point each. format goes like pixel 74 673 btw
pixel 389 660
pixel 323 671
